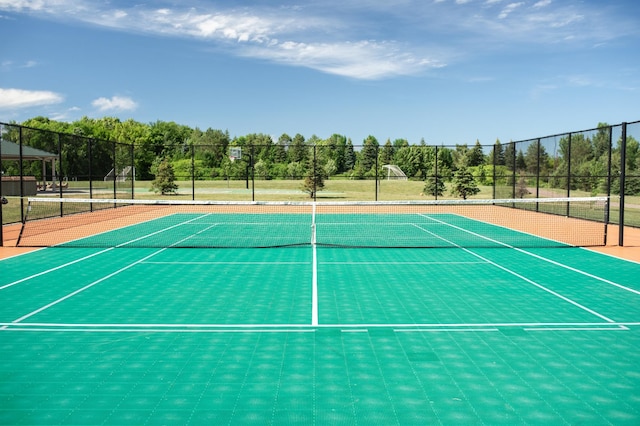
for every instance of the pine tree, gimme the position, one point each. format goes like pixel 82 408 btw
pixel 434 184
pixel 314 179
pixel 464 184
pixel 164 183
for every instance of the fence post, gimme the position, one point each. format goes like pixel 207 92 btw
pixel 569 174
pixel 539 142
pixel 1 205
pixel 115 171
pixel 623 177
pixel 608 207
pixel 60 168
pixel 193 173
pixel 133 171
pixel 376 166
pixel 513 171
pixel 253 173
pixel 90 155
pixel 435 169
pixel 20 168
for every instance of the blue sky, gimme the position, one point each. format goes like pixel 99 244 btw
pixel 448 71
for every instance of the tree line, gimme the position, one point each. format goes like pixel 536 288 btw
pixel 580 161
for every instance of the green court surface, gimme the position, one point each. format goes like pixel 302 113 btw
pixel 309 334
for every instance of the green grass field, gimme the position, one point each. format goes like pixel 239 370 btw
pixel 291 190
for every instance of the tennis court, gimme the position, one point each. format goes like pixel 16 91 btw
pixel 392 315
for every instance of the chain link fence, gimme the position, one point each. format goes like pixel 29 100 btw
pixel 601 161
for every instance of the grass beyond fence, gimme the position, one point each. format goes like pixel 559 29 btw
pixel 289 190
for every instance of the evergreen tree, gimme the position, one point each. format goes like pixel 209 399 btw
pixel 521 186
pixel 386 154
pixel 349 156
pixel 368 154
pixel 434 184
pixel 314 178
pixel 521 163
pixel 510 155
pixel 476 155
pixel 164 183
pixel 464 184
pixel 497 156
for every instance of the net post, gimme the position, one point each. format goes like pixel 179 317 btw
pixel 606 220
pixel 193 173
pixel 569 174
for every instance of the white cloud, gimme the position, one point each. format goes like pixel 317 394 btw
pixel 510 8
pixel 365 60
pixel 18 98
pixel 9 65
pixel 337 37
pixel 116 103
pixel 542 3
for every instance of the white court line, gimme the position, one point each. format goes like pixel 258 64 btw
pixel 224 263
pixel 94 254
pixel 458 330
pixel 47 306
pixel 171 227
pixel 362 326
pixel 604 280
pixel 403 263
pixel 540 286
pixel 80 290
pixel 164 330
pixel 619 328
pixel 54 269
pixel 314 271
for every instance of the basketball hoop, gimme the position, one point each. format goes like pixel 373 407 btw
pixel 235 153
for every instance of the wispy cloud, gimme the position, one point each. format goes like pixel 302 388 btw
pixel 509 9
pixel 542 3
pixel 8 65
pixel 282 35
pixel 115 103
pixel 18 98
pixel 335 38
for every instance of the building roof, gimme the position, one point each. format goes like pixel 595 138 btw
pixel 11 151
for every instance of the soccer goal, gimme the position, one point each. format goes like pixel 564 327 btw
pixel 394 172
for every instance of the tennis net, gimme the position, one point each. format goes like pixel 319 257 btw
pixel 548 222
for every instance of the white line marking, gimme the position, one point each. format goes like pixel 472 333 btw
pixel 449 330
pixel 104 278
pixel 532 254
pixel 314 288
pixel 152 330
pixel 403 263
pixel 620 328
pixel 314 270
pixel 54 269
pixel 96 254
pixel 80 290
pixel 541 325
pixel 548 290
pixel 225 263
pixel 540 286
pixel 171 227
